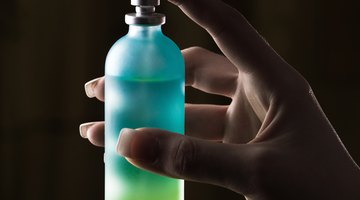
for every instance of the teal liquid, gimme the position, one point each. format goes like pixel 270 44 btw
pixel 133 104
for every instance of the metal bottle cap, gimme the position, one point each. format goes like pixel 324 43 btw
pixel 145 13
pixel 145 2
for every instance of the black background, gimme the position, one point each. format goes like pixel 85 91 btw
pixel 49 49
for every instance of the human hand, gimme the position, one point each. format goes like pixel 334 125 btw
pixel 276 142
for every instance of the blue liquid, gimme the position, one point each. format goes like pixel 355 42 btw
pixel 144 87
pixel 135 103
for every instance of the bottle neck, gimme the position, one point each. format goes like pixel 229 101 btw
pixel 144 31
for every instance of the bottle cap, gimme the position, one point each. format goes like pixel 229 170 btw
pixel 145 13
pixel 145 2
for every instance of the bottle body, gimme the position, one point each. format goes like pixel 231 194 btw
pixel 144 87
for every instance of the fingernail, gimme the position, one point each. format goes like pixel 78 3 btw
pixel 137 145
pixel 83 129
pixel 89 88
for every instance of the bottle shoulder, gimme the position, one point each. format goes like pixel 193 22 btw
pixel 147 57
pixel 158 42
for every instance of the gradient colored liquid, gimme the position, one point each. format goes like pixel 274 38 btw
pixel 133 104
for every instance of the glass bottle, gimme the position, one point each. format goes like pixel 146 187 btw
pixel 144 87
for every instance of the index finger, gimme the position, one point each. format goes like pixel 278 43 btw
pixel 237 39
pixel 96 88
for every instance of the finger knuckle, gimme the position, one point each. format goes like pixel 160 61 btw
pixel 183 157
pixel 197 49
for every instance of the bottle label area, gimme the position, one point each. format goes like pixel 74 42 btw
pixel 134 104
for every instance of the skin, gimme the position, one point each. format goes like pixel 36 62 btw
pixel 272 142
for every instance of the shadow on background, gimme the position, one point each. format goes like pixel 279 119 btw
pixel 49 49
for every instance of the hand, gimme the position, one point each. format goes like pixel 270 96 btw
pixel 276 142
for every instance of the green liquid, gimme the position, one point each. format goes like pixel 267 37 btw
pixel 135 104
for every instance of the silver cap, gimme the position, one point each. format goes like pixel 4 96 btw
pixel 145 13
pixel 145 2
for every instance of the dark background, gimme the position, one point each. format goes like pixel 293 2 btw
pixel 49 49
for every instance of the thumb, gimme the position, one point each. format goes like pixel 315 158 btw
pixel 186 157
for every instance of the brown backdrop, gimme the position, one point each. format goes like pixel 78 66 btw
pixel 49 49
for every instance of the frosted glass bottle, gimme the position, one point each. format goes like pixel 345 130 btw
pixel 144 87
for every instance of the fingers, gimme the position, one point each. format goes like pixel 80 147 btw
pixel 210 72
pixel 185 157
pixel 202 121
pixel 205 121
pixel 205 70
pixel 96 88
pixel 94 132
pixel 237 39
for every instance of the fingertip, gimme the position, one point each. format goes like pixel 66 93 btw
pixel 123 144
pixel 83 129
pixel 90 87
pixel 99 89
pixel 95 134
pixel 95 88
pixel 137 145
